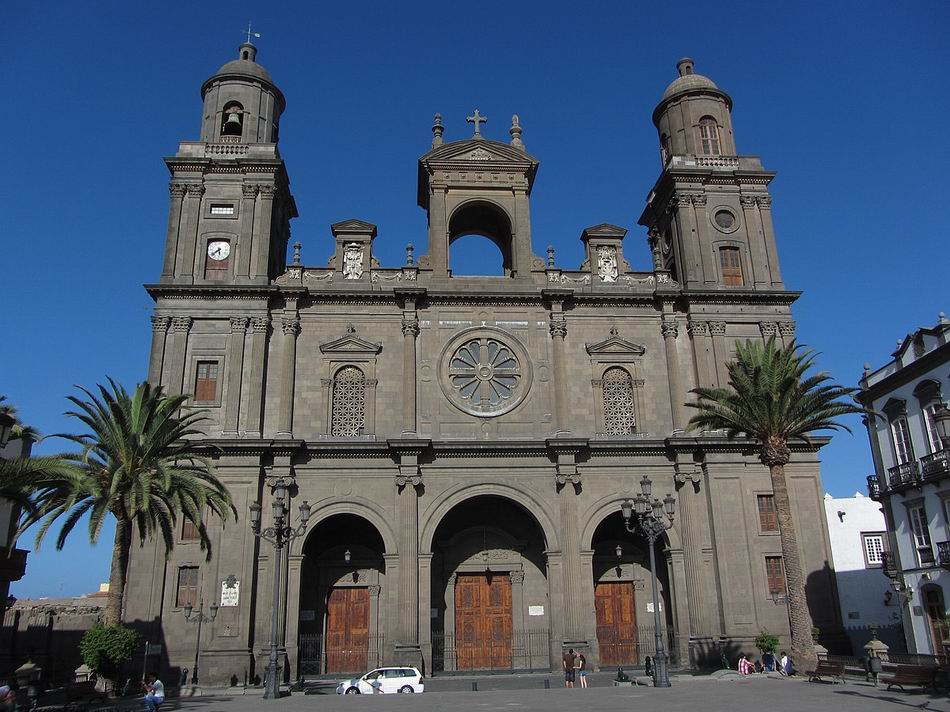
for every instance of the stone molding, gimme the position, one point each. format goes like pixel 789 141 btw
pixel 161 323
pixel 239 324
pixel 181 323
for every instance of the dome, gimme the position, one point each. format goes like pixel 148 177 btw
pixel 687 80
pixel 247 68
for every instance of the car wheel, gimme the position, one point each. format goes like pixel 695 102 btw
pixel 406 690
pixel 351 691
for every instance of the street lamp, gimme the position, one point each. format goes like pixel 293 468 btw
pixel 199 618
pixel 279 534
pixel 650 521
pixel 7 422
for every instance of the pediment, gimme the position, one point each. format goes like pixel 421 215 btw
pixel 614 346
pixel 894 407
pixel 350 344
pixel 477 151
pixel 353 227
pixel 604 230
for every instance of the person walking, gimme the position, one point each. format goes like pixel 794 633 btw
pixel 567 662
pixel 154 693
pixel 580 665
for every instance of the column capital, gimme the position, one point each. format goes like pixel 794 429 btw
pixel 177 190
pixel 249 190
pixel 699 200
pixel 768 328
pixel 786 328
pixel 517 577
pixel 697 327
pixel 238 324
pixel 290 325
pixel 764 201
pixel 558 326
pixel 195 190
pixel 260 323
pixel 717 328
pixel 266 190
pixel 687 472
pixel 747 201
pixel 410 326
pixel 181 323
pixel 161 323
pixel 669 328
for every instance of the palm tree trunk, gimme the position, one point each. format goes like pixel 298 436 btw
pixel 120 567
pixel 803 649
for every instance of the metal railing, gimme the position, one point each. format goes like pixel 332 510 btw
pixel 874 487
pixel 317 656
pixel 907 474
pixel 943 554
pixel 523 650
pixel 936 465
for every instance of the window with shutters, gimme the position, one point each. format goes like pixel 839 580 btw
pixel 348 419
pixel 775 572
pixel 768 517
pixel 206 381
pixel 618 402
pixel 730 267
pixel 709 136
pixel 187 586
pixel 921 530
pixel 933 435
pixel 873 543
pixel 189 531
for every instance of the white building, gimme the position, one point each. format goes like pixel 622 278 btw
pixel 858 538
pixel 907 428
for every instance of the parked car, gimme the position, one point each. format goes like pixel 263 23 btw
pixel 384 680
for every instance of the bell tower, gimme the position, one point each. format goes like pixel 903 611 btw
pixel 231 205
pixel 709 214
pixel 478 186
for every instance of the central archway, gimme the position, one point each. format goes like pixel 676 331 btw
pixel 485 220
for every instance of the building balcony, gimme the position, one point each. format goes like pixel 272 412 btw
pixel 889 564
pixel 903 476
pixel 936 466
pixel 12 564
pixel 943 554
pixel 874 487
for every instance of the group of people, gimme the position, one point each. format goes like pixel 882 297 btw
pixel 767 663
pixel 575 668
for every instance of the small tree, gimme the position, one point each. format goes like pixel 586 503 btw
pixel 106 648
pixel 766 642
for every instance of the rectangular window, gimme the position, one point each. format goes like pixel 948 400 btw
pixel 903 449
pixel 206 381
pixel 921 530
pixel 222 209
pixel 187 586
pixel 730 267
pixel 768 517
pixel 189 531
pixel 775 571
pixel 933 437
pixel 873 549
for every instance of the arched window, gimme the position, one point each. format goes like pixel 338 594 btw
pixel 709 136
pixel 618 402
pixel 232 119
pixel 349 403
pixel 485 221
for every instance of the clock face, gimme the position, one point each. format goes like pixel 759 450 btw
pixel 219 250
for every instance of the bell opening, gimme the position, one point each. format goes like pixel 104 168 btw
pixel 233 120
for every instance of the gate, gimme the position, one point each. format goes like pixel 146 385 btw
pixel 521 651
pixel 319 656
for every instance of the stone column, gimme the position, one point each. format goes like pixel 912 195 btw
pixel 290 324
pixel 156 357
pixel 175 359
pixel 407 512
pixel 717 330
pixel 254 372
pixel 521 237
pixel 425 608
pixel 686 228
pixel 568 483
pixel 764 203
pixel 260 247
pixel 190 215
pixel 410 330
pixel 691 519
pixel 558 329
pixel 176 192
pixel 245 244
pixel 670 330
pixel 232 406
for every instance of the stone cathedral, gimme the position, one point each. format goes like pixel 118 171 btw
pixel 465 443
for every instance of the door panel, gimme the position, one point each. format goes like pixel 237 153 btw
pixel 347 629
pixel 483 621
pixel 616 623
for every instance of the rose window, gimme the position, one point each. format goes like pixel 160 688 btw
pixel 485 375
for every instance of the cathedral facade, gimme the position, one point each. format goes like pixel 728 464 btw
pixel 465 443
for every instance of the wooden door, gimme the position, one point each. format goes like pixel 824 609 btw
pixel 936 611
pixel 347 629
pixel 616 623
pixel 482 622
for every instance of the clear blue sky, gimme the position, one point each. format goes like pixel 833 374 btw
pixel 848 101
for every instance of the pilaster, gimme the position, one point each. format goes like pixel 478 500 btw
pixel 670 330
pixel 764 203
pixel 188 235
pixel 156 357
pixel 232 404
pixel 255 369
pixel 692 522
pixel 175 359
pixel 568 484
pixel 176 193
pixel 290 326
pixel 246 241
pixel 260 247
pixel 717 330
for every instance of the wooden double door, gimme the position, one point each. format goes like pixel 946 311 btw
pixel 482 621
pixel 616 623
pixel 347 638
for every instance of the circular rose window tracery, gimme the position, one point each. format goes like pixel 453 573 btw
pixel 485 372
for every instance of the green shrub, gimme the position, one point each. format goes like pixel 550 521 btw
pixel 105 648
pixel 766 642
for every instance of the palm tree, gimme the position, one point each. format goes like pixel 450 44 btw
pixel 137 465
pixel 772 401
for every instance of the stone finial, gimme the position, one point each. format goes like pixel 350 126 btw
pixel 515 132
pixel 477 119
pixel 867 367
pixel 410 250
pixel 550 256
pixel 297 247
pixel 437 130
pixel 685 66
pixel 942 318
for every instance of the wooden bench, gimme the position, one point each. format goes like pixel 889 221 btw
pixel 920 675
pixel 825 669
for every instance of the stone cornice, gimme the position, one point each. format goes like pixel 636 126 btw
pixel 209 291
pixel 719 442
pixel 740 296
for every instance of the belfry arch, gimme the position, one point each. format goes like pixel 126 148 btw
pixel 486 219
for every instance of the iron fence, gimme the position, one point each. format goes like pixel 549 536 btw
pixel 317 656
pixel 617 649
pixel 525 650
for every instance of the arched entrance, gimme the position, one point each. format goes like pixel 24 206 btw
pixel 936 609
pixel 623 602
pixel 342 578
pixel 489 589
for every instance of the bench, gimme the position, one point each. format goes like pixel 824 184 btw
pixel 825 669
pixel 920 675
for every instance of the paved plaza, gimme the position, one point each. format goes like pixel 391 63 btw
pixel 687 694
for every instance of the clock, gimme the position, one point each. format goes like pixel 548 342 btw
pixel 219 250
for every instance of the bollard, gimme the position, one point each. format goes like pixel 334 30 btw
pixel 474 686
pixel 547 684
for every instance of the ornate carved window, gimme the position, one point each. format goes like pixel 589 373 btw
pixel 618 402
pixel 349 403
pixel 709 136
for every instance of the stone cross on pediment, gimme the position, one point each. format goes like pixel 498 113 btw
pixel 477 119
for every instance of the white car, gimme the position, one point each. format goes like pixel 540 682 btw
pixel 384 680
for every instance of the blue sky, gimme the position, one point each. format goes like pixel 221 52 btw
pixel 847 101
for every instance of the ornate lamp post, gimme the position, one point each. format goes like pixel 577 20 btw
pixel 279 534
pixel 199 618
pixel 650 521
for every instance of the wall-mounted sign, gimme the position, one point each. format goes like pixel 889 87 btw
pixel 535 610
pixel 230 593
pixel 650 606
